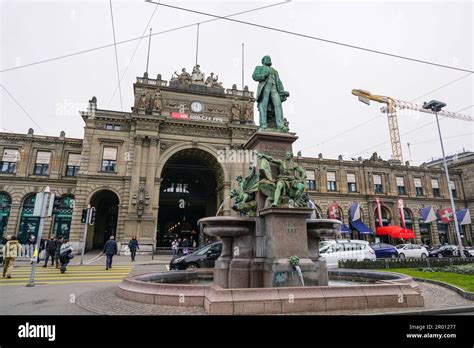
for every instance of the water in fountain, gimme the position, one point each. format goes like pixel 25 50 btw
pixel 222 204
pixel 298 270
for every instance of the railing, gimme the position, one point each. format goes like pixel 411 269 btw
pixel 405 263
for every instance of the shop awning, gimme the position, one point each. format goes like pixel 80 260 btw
pixel 395 232
pixel 361 227
pixel 345 229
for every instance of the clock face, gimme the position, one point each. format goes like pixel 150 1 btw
pixel 196 106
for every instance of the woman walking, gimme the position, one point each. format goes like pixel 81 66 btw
pixel 133 246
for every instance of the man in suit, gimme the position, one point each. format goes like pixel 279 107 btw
pixel 270 90
pixel 110 249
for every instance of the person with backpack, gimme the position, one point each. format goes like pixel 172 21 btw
pixel 133 246
pixel 11 250
pixel 110 249
pixel 65 254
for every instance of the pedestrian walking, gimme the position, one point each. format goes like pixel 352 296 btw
pixel 11 250
pixel 58 242
pixel 50 251
pixel 185 246
pixel 65 254
pixel 133 246
pixel 174 247
pixel 110 249
pixel 30 247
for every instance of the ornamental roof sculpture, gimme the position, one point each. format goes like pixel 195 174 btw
pixel 196 78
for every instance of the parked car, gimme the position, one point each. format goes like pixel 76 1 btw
pixel 470 250
pixel 448 251
pixel 383 250
pixel 346 250
pixel 204 257
pixel 411 250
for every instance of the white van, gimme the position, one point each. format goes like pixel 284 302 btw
pixel 336 250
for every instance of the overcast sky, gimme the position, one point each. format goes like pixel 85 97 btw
pixel 318 75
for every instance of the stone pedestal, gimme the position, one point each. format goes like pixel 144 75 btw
pixel 286 236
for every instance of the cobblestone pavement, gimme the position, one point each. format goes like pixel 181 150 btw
pixel 104 301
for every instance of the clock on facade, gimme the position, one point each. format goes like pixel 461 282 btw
pixel 196 106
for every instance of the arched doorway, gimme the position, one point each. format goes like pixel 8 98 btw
pixel 191 189
pixel 29 224
pixel 106 203
pixel 5 206
pixel 63 217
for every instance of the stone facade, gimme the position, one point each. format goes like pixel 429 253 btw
pixel 123 158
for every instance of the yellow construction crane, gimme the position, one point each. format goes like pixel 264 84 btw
pixel 391 110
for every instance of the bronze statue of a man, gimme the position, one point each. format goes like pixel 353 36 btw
pixel 270 91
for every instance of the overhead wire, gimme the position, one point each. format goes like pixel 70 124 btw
pixel 116 56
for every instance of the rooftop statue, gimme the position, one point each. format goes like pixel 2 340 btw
pixel 270 95
pixel 212 81
pixel 197 75
pixel 184 77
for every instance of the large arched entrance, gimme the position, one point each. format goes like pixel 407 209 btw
pixel 191 188
pixel 106 203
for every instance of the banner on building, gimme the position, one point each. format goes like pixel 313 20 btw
pixel 354 212
pixel 428 214
pixel 379 211
pixel 446 215
pixel 464 217
pixel 333 211
pixel 402 213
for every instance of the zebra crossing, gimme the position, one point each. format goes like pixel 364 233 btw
pixel 74 274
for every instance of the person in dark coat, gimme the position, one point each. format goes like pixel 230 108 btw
pixel 133 246
pixel 65 254
pixel 59 242
pixel 50 251
pixel 110 249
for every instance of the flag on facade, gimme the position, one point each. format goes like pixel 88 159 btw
pixel 464 217
pixel 402 214
pixel 379 211
pixel 333 211
pixel 427 214
pixel 354 212
pixel 446 215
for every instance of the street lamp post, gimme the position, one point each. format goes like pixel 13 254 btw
pixel 436 106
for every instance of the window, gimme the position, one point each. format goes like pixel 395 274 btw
pixel 73 164
pixel 331 181
pixel 351 182
pixel 311 182
pixel 435 187
pixel 418 187
pixel 401 185
pixel 9 159
pixel 42 163
pixel 453 189
pixel 378 183
pixel 115 127
pixel 109 159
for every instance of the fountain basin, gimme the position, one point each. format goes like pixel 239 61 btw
pixel 227 226
pixel 323 228
pixel 388 290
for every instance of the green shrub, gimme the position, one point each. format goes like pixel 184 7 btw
pixel 405 263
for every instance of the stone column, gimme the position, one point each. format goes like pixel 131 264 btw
pixel 137 161
pixel 151 171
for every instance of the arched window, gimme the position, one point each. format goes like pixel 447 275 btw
pixel 5 206
pixel 28 223
pixel 386 216
pixel 408 218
